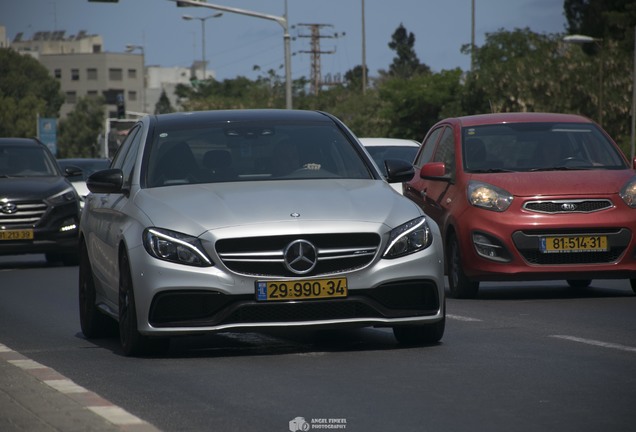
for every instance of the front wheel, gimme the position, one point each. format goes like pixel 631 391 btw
pixel 67 259
pixel 132 342
pixel 460 285
pixel 93 323
pixel 427 334
pixel 633 282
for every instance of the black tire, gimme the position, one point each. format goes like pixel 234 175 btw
pixel 93 322
pixel 53 258
pixel 633 283
pixel 460 286
pixel 70 260
pixel 579 284
pixel 420 335
pixel 132 342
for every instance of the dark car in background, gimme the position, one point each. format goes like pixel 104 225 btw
pixel 78 170
pixel 528 196
pixel 383 149
pixel 39 209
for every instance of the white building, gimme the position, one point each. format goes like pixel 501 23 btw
pixel 85 70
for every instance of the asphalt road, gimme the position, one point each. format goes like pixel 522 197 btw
pixel 521 357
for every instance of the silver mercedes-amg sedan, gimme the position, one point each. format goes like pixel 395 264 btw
pixel 253 219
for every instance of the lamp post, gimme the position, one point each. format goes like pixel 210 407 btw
pixel 364 53
pixel 282 20
pixel 583 39
pixel 203 20
pixel 131 48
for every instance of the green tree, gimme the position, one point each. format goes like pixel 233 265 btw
pixel 360 112
pixel 240 92
pixel 604 19
pixel 410 107
pixel 405 63
pixel 26 91
pixel 613 23
pixel 79 131
pixel 163 105
pixel 525 71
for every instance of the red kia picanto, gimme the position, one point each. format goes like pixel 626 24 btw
pixel 528 196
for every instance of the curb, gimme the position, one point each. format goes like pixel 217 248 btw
pixel 38 396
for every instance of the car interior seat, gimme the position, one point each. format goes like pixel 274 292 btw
pixel 176 165
pixel 475 154
pixel 218 165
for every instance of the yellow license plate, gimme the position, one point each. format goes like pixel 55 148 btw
pixel 595 243
pixel 25 234
pixel 301 289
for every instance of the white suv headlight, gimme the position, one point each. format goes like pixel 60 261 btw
pixel 408 238
pixel 489 197
pixel 67 195
pixel 175 247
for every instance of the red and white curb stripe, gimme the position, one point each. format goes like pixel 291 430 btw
pixel 91 401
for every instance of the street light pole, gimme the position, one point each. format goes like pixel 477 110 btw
pixel 364 53
pixel 282 20
pixel 203 20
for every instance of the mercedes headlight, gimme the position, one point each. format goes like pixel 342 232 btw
pixel 408 238
pixel 175 247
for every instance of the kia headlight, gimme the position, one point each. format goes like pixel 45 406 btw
pixel 628 193
pixel 409 238
pixel 489 197
pixel 175 247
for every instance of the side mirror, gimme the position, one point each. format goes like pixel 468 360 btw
pixel 398 171
pixel 106 181
pixel 434 170
pixel 72 171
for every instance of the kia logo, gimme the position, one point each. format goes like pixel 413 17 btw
pixel 568 206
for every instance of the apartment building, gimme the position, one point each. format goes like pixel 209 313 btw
pixel 84 70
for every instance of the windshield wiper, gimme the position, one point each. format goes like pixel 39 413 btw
pixel 562 168
pixel 493 170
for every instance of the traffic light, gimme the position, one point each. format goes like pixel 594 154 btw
pixel 121 106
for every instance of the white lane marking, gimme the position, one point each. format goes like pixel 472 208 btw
pixel 27 364
pixel 596 343
pixel 462 318
pixel 65 386
pixel 116 415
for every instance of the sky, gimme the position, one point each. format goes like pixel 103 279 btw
pixel 235 43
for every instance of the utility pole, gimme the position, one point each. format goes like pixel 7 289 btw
pixel 316 76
